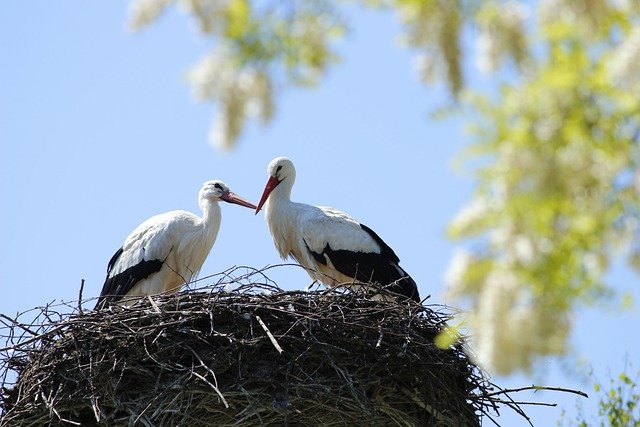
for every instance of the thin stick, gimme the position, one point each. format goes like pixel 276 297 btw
pixel 536 388
pixel 20 345
pixel 379 343
pixel 524 402
pixel 213 374
pixel 154 304
pixel 80 296
pixel 226 405
pixel 270 335
pixel 14 323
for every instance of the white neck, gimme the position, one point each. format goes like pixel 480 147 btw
pixel 211 217
pixel 282 218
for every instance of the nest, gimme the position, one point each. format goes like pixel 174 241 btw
pixel 254 354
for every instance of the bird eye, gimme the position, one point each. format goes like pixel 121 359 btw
pixel 218 186
pixel 278 168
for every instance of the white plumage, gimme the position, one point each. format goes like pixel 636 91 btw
pixel 333 247
pixel 166 250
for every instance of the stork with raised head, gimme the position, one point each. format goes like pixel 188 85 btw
pixel 167 250
pixel 334 248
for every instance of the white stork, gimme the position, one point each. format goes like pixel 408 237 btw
pixel 333 247
pixel 166 250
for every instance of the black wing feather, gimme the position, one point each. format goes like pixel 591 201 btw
pixel 386 249
pixel 371 267
pixel 117 286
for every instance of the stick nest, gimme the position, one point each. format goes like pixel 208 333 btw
pixel 251 355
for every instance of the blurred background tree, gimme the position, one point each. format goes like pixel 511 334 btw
pixel 554 145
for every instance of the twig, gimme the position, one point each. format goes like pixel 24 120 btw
pixel 224 401
pixel 270 335
pixel 14 322
pixel 215 387
pixel 528 403
pixel 536 388
pixel 36 338
pixel 153 304
pixel 379 343
pixel 80 296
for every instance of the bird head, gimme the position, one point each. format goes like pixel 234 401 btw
pixel 216 190
pixel 280 169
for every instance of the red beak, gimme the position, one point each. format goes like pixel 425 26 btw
pixel 230 197
pixel 271 184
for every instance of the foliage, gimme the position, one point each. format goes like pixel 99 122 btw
pixel 618 405
pixel 259 46
pixel 558 190
pixel 262 47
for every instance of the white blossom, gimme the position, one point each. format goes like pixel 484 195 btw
pixel 515 12
pixel 500 237
pixel 454 276
pixel 475 211
pixel 548 126
pixel 621 4
pixel 486 53
pixel 524 250
pixel 425 67
pixel 144 12
pixel 585 15
pixel 501 34
pixel 551 10
pixel 511 327
pixel 593 264
pixel 624 66
pixel 241 92
pixel 211 76
pixel 494 345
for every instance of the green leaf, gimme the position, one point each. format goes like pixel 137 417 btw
pixel 238 16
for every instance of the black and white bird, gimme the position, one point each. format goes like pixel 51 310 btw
pixel 334 248
pixel 167 250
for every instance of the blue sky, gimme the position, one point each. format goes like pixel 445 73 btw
pixel 98 131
